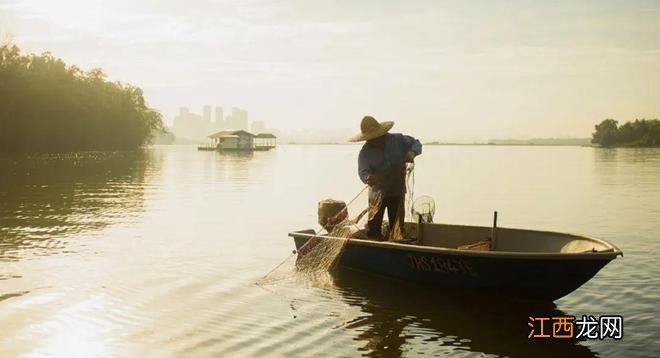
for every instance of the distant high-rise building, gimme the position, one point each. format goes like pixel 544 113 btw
pixel 238 119
pixel 219 118
pixel 219 114
pixel 207 114
pixel 188 125
pixel 258 127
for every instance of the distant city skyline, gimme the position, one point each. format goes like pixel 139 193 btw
pixel 188 125
pixel 447 70
pixel 191 126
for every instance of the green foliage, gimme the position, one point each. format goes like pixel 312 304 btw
pixel 640 133
pixel 606 132
pixel 47 106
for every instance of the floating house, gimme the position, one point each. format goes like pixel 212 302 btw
pixel 239 140
pixel 233 140
pixel 265 141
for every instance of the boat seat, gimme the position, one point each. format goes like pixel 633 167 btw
pixel 579 246
pixel 483 245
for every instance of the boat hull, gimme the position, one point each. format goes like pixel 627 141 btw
pixel 544 277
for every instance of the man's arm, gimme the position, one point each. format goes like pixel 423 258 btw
pixel 412 144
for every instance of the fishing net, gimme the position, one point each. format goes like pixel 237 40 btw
pixel 321 253
pixel 423 209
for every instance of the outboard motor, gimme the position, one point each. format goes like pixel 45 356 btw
pixel 331 212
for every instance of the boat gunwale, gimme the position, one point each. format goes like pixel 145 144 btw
pixel 611 253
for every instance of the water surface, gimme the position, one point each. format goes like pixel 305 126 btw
pixel 157 252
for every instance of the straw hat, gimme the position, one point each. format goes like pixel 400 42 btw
pixel 370 128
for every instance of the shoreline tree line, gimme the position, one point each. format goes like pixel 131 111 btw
pixel 49 106
pixel 639 133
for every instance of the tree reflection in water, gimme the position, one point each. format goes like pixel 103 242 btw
pixel 45 199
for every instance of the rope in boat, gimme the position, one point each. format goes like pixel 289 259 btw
pixel 410 187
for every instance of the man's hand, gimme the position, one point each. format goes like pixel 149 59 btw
pixel 410 156
pixel 371 180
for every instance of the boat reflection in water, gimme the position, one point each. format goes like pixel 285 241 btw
pixel 398 318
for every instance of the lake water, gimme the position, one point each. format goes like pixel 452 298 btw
pixel 157 252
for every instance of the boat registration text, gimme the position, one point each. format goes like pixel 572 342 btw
pixel 439 264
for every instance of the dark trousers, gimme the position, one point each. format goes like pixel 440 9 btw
pixel 393 205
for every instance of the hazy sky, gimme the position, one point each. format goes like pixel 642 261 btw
pixel 454 70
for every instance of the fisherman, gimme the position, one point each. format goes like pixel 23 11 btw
pixel 382 166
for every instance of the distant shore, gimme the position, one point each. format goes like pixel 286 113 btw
pixel 640 133
pixel 433 143
pixel 514 144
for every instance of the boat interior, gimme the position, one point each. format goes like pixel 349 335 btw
pixel 479 238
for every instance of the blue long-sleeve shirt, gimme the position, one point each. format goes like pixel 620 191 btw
pixel 388 162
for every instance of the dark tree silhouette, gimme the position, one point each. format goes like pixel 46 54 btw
pixel 640 133
pixel 47 106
